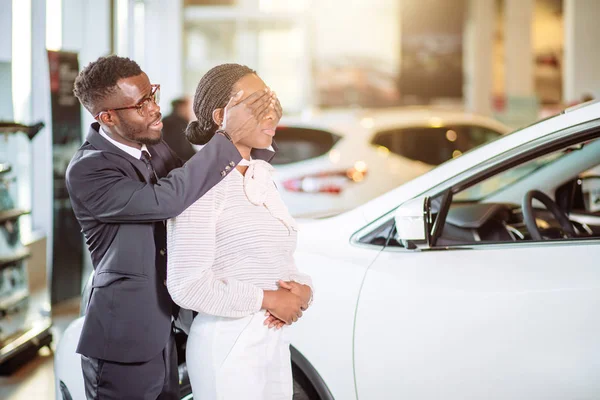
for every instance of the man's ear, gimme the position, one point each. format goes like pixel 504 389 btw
pixel 105 118
pixel 218 116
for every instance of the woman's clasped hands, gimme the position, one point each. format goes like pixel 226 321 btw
pixel 286 304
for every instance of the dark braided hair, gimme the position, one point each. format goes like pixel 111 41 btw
pixel 214 91
pixel 99 79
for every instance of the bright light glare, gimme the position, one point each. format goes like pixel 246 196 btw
pixel 122 27
pixel 360 166
pixel 451 135
pixel 282 5
pixel 310 185
pixel 334 156
pixel 542 224
pixel 139 12
pixel 367 123
pixel 383 151
pixel 357 176
pixel 53 25
pixel 21 59
pixel 436 122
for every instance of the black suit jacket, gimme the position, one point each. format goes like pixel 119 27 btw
pixel 174 134
pixel 121 216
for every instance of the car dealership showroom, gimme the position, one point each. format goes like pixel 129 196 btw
pixel 299 199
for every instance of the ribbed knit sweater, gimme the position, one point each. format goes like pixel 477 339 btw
pixel 231 244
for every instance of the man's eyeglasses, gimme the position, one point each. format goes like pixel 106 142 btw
pixel 141 107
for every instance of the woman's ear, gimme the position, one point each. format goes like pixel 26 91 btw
pixel 218 116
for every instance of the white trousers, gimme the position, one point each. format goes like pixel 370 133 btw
pixel 238 358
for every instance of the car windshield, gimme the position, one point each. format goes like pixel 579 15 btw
pixel 502 180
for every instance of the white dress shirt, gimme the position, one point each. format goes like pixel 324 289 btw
pixel 132 151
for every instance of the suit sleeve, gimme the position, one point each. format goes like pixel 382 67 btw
pixel 111 196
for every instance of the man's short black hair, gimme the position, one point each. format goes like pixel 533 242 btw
pixel 99 79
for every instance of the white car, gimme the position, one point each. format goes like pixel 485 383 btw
pixel 453 285
pixel 334 161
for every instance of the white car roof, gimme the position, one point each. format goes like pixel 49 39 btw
pixel 570 117
pixel 344 122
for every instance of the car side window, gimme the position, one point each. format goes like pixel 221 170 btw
pixel 523 212
pixel 434 145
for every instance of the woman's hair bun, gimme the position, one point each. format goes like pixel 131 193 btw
pixel 195 134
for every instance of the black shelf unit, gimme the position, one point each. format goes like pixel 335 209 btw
pixel 23 329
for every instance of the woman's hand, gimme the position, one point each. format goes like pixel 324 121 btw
pixel 300 290
pixel 283 304
pixel 273 322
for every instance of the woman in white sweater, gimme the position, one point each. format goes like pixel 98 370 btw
pixel 231 258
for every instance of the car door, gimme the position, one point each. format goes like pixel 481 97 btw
pixel 496 322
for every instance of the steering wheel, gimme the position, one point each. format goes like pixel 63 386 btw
pixel 529 216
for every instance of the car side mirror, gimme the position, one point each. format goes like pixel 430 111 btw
pixel 412 221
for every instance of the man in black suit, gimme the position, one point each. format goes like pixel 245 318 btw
pixel 174 126
pixel 124 182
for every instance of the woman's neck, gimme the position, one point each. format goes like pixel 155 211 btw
pixel 244 151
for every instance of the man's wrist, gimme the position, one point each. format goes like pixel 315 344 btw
pixel 224 133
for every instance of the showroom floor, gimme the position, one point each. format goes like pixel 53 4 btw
pixel 35 380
